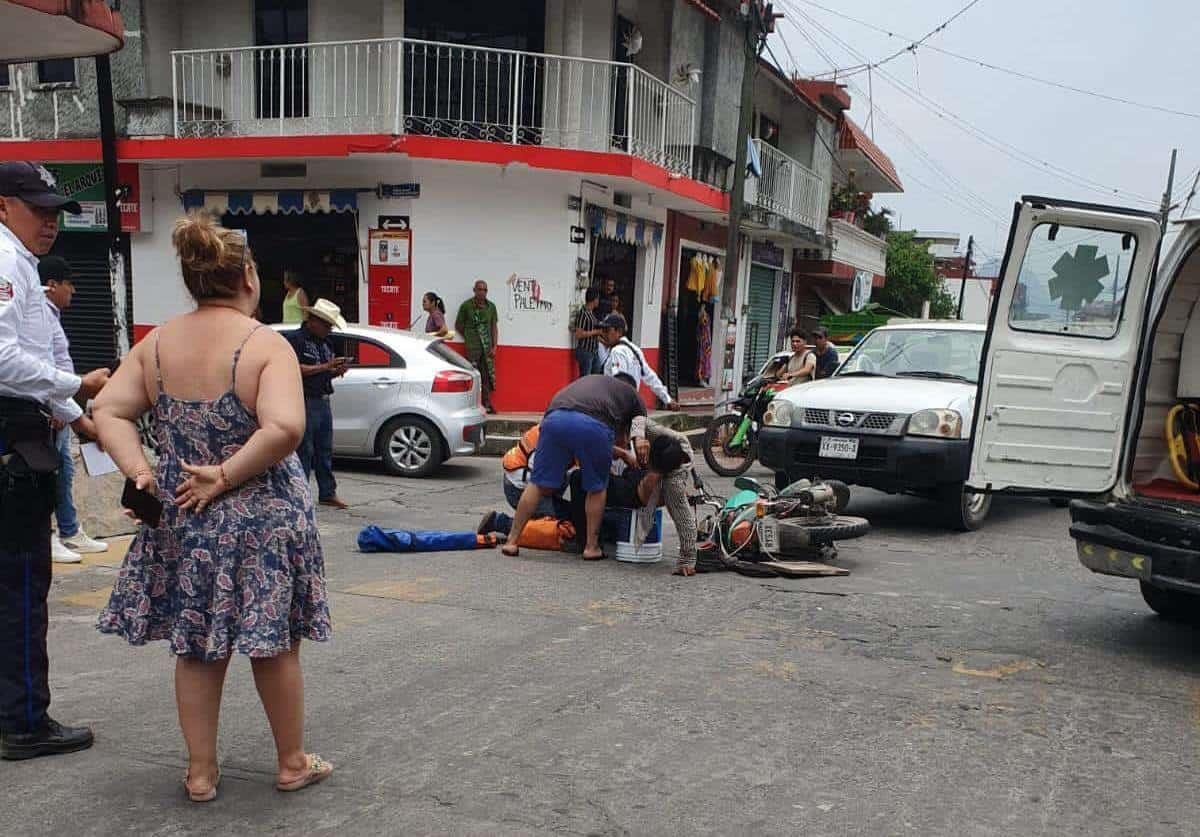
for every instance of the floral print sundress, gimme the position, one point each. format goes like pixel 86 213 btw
pixel 247 574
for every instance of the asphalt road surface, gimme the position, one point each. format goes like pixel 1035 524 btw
pixel 979 684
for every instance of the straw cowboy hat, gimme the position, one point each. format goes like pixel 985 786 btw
pixel 327 311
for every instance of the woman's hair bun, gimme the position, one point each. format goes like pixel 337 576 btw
pixel 197 239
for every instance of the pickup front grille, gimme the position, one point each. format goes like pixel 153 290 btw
pixel 871 422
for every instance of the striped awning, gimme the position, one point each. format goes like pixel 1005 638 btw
pixel 621 227
pixel 282 202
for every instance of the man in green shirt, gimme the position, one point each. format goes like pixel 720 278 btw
pixel 477 322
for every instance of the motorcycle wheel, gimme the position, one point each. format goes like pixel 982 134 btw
pixel 836 528
pixel 717 453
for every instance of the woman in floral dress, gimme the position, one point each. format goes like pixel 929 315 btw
pixel 235 564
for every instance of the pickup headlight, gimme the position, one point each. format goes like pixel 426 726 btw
pixel 946 424
pixel 778 414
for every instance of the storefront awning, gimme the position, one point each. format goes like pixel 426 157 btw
pixel 283 202
pixel 626 228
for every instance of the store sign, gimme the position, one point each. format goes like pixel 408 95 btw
pixel 766 253
pixel 860 294
pixel 578 235
pixel 401 191
pixel 389 278
pixel 84 182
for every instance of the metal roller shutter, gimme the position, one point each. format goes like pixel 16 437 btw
pixel 759 317
pixel 89 321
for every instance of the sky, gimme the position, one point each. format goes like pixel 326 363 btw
pixel 1148 52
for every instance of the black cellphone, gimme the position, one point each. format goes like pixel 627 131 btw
pixel 145 505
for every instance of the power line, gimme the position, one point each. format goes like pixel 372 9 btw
pixel 997 68
pixel 980 135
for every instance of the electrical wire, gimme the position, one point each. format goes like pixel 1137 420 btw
pixel 1000 69
pixel 1009 150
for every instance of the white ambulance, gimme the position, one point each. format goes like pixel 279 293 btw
pixel 1093 344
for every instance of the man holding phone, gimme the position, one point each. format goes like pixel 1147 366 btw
pixel 32 391
pixel 319 366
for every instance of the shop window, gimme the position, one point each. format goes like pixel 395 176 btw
pixel 56 71
pixel 281 86
pixel 1073 281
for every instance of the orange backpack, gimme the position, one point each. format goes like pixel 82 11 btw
pixel 546 533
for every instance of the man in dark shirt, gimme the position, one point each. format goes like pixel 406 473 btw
pixel 827 356
pixel 319 366
pixel 583 423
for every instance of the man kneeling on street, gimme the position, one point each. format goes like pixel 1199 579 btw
pixel 583 422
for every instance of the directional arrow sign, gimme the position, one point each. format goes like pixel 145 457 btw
pixel 1077 278
pixel 393 222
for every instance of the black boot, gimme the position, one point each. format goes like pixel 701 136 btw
pixel 52 738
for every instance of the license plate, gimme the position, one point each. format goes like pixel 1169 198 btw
pixel 838 447
pixel 768 535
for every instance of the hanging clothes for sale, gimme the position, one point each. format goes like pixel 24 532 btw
pixel 713 287
pixel 703 347
pixel 697 276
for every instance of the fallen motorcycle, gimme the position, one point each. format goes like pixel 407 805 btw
pixel 763 532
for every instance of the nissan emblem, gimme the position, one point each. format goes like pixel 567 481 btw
pixel 846 419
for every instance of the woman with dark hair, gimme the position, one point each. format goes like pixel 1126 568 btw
pixel 435 324
pixel 234 563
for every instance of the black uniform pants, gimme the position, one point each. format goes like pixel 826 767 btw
pixel 27 482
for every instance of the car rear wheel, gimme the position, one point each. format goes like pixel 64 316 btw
pixel 965 510
pixel 1172 605
pixel 410 447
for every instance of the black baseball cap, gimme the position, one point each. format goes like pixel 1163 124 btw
pixel 820 334
pixel 615 321
pixel 55 269
pixel 35 185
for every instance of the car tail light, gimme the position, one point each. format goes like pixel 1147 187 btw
pixel 453 381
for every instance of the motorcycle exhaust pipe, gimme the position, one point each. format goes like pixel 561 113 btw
pixel 817 495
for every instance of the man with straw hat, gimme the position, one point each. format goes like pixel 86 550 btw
pixel 319 366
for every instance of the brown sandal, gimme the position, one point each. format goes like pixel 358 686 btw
pixel 511 549
pixel 207 796
pixel 318 771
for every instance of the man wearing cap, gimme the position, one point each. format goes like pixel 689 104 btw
pixel 319 366
pixel 624 358
pixel 71 542
pixel 32 391
pixel 827 356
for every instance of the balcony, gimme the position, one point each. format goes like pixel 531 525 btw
pixel 404 86
pixel 857 248
pixel 789 189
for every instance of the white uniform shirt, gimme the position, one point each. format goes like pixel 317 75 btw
pixel 27 334
pixel 626 358
pixel 62 346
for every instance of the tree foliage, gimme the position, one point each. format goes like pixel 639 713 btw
pixel 911 279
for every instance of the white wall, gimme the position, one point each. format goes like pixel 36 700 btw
pixel 470 222
pixel 977 301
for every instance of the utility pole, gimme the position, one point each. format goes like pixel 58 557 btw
pixel 116 241
pixel 755 21
pixel 962 289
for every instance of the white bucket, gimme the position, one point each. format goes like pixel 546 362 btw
pixel 649 552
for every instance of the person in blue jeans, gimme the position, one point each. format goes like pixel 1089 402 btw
pixel 70 542
pixel 583 423
pixel 319 366
pixel 587 335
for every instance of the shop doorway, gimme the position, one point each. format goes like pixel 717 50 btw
pixel 760 318
pixel 322 249
pixel 699 282
pixel 617 261
pixel 89 323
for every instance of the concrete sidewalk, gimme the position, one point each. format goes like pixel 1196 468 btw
pixel 973 684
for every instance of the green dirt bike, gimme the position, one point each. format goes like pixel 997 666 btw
pixel 731 441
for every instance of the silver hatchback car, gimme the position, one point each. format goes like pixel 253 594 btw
pixel 407 399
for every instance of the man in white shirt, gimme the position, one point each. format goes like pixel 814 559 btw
pixel 30 387
pixel 70 543
pixel 624 358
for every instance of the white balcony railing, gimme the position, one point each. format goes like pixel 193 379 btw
pixel 791 190
pixel 398 86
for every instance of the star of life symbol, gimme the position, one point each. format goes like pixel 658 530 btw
pixel 46 176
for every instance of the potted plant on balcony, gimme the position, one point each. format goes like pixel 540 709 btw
pixel 849 204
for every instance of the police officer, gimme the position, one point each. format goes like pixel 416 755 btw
pixel 32 391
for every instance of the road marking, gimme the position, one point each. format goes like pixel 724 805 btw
pixel 999 670
pixel 608 613
pixel 418 590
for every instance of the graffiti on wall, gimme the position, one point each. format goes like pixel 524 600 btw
pixel 526 295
